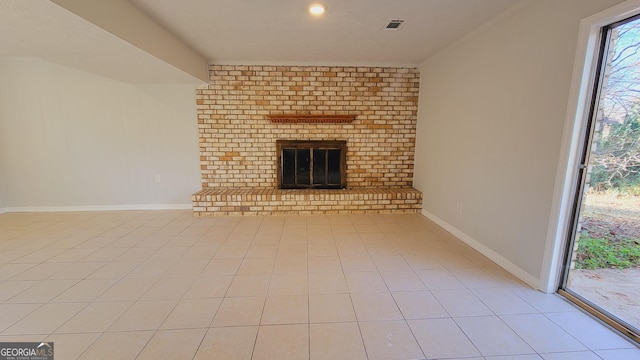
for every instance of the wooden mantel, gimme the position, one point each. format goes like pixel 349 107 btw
pixel 307 118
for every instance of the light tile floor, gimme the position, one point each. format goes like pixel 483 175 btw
pixel 165 285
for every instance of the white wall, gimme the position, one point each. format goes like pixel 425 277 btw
pixel 72 139
pixel 490 123
pixel 3 200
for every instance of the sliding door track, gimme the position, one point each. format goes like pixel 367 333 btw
pixel 608 319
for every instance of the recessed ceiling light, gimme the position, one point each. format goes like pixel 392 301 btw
pixel 317 9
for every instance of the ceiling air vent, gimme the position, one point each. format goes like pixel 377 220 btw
pixel 394 24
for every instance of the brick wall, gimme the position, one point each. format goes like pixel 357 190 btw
pixel 238 141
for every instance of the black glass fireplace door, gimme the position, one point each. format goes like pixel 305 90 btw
pixel 308 164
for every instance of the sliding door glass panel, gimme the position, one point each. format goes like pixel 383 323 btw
pixel 603 260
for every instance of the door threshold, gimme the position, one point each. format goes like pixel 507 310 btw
pixel 609 320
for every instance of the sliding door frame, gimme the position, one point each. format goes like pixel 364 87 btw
pixel 578 107
pixel 577 141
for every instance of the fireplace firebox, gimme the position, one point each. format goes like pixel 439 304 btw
pixel 311 164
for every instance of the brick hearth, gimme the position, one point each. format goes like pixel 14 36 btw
pixel 220 201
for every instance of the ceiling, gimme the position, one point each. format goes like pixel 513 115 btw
pixel 42 29
pixel 235 32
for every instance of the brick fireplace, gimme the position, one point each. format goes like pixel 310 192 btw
pixel 240 121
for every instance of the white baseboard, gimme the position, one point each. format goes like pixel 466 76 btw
pixel 3 211
pixel 99 208
pixel 484 250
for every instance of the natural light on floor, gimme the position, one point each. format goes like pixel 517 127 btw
pixel 163 284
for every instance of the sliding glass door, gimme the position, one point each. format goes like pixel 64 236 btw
pixel 602 269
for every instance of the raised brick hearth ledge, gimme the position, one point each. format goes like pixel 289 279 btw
pixel 261 201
